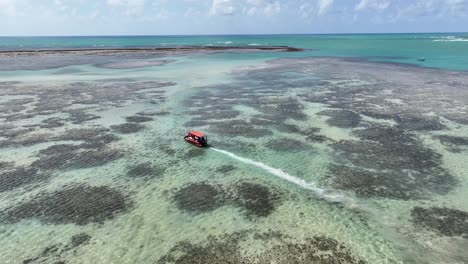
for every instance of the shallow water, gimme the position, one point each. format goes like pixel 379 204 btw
pixel 311 160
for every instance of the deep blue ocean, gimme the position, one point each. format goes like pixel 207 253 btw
pixel 441 50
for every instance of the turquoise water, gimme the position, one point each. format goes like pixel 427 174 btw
pixel 441 50
pixel 321 156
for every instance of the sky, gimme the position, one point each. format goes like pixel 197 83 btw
pixel 204 17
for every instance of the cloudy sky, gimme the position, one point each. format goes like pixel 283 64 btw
pixel 168 17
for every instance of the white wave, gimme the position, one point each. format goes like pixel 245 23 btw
pixel 224 42
pixel 450 39
pixel 254 44
pixel 292 179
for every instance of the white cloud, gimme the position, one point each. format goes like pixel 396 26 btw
pixel 7 7
pixel 440 9
pixel 261 7
pixel 131 7
pixel 306 10
pixel 457 7
pixel 310 9
pixel 324 6
pixel 247 7
pixel 272 8
pixel 373 4
pixel 223 7
pixel 60 5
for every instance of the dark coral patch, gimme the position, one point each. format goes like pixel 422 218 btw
pixel 445 221
pixel 15 177
pixel 453 143
pixel 391 184
pixel 318 249
pixel 196 123
pixel 60 148
pixel 79 205
pixel 286 144
pixel 419 123
pixel 312 134
pixel 154 113
pixel 317 138
pixel 79 240
pixel 199 198
pixel 18 116
pixel 146 169
pixel 458 141
pixel 342 118
pixel 80 116
pixel 139 119
pixel 389 162
pixel 386 135
pixel 75 156
pixel 128 128
pixel 94 158
pixel 82 134
pixel 256 199
pixel 55 251
pixel 288 128
pixel 32 139
pixel 12 132
pixel 6 165
pixel 52 122
pixel 215 251
pixel 227 249
pixel 226 169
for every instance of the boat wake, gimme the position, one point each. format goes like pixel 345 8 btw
pixel 293 179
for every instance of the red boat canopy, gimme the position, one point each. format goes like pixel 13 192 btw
pixel 197 133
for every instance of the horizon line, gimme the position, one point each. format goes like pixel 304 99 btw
pixel 240 34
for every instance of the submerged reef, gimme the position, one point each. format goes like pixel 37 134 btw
pixel 255 200
pixel 442 220
pixel 287 144
pixel 139 119
pixel 199 197
pixel 225 169
pixel 128 128
pixel 14 177
pixel 144 170
pixel 342 118
pixel 75 156
pixel 389 162
pixel 113 58
pixel 283 249
pixel 453 143
pixel 56 252
pixel 133 64
pixel 79 205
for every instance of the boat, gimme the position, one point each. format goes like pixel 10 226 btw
pixel 197 138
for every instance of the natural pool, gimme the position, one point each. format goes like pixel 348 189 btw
pixel 313 160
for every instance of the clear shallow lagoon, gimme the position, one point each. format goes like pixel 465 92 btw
pixel 323 159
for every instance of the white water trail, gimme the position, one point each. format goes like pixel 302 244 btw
pixel 292 179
